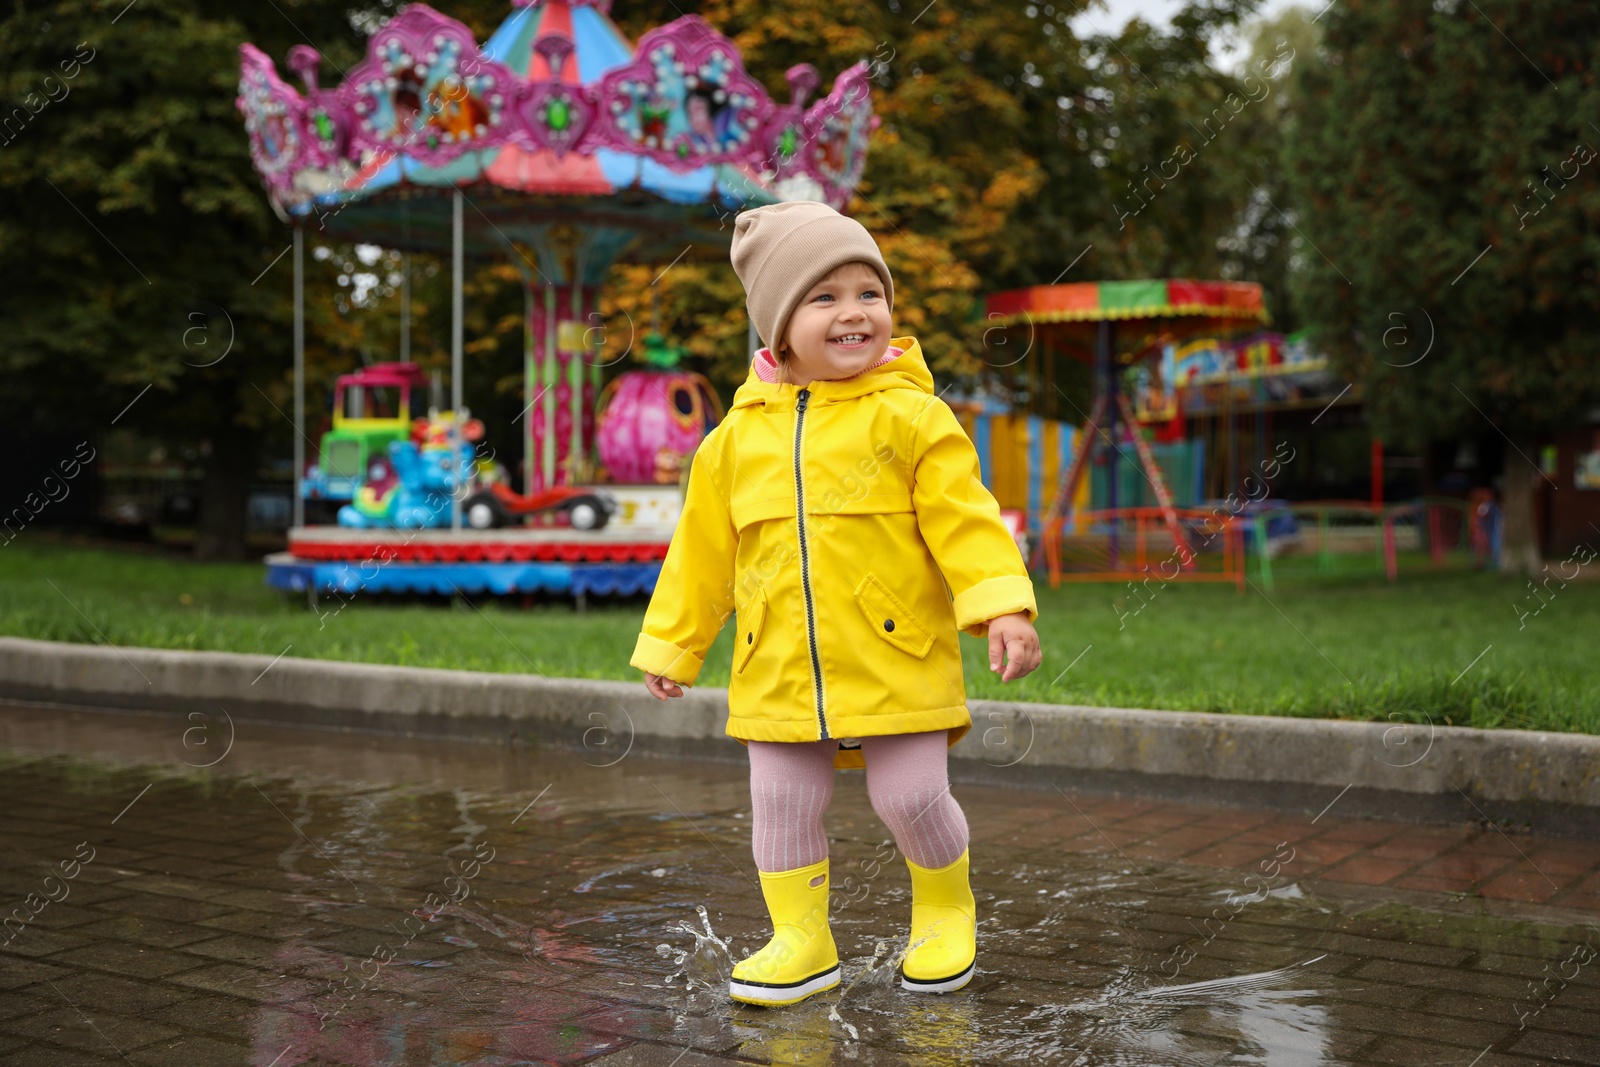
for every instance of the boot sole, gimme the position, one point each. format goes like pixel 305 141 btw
pixel 782 994
pixel 938 985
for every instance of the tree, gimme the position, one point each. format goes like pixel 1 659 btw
pixel 1263 246
pixel 142 266
pixel 132 229
pixel 1442 156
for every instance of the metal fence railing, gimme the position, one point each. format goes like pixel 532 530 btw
pixel 1261 541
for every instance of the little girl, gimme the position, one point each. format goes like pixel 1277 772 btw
pixel 838 511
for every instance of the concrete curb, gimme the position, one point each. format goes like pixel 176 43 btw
pixel 1544 781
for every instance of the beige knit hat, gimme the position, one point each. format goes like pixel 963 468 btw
pixel 780 251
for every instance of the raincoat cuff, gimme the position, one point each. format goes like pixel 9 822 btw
pixel 991 597
pixel 655 656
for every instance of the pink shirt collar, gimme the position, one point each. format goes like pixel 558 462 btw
pixel 766 365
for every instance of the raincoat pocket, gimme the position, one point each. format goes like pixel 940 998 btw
pixel 892 620
pixel 751 618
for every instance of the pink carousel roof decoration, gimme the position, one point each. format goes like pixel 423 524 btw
pixel 557 81
pixel 425 91
pixel 686 68
pixel 274 117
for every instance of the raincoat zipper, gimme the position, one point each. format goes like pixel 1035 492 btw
pixel 805 559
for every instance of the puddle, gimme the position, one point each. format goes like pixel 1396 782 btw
pixel 319 898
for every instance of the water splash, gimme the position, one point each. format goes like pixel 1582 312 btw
pixel 882 971
pixel 879 974
pixel 709 962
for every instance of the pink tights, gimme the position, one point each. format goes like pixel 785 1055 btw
pixel 791 784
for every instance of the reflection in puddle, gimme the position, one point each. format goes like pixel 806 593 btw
pixel 1216 988
pixel 1260 1025
pixel 439 917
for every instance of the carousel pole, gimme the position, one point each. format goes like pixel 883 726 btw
pixel 594 372
pixel 596 352
pixel 1105 362
pixel 299 509
pixel 575 453
pixel 547 388
pixel 530 388
pixel 457 255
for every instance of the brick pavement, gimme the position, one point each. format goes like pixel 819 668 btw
pixel 1484 862
pixel 224 910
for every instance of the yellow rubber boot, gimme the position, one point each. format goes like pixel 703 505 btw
pixel 944 930
pixel 801 959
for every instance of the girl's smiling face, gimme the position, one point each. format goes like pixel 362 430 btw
pixel 840 328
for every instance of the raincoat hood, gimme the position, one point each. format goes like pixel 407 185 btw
pixel 905 370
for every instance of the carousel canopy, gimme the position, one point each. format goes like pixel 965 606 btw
pixel 1147 313
pixel 1146 299
pixel 556 119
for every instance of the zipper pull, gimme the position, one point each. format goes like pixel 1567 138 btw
pixel 805 394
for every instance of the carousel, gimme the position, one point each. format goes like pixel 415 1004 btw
pixel 559 146
pixel 1121 330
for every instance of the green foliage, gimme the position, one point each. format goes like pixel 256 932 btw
pixel 1426 135
pixel 130 204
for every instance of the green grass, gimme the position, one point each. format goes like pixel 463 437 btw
pixel 1355 647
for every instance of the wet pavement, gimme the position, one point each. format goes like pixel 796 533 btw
pixel 332 898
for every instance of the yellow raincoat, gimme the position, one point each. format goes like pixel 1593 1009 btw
pixel 846 618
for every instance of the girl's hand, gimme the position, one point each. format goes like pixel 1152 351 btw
pixel 1015 636
pixel 661 688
